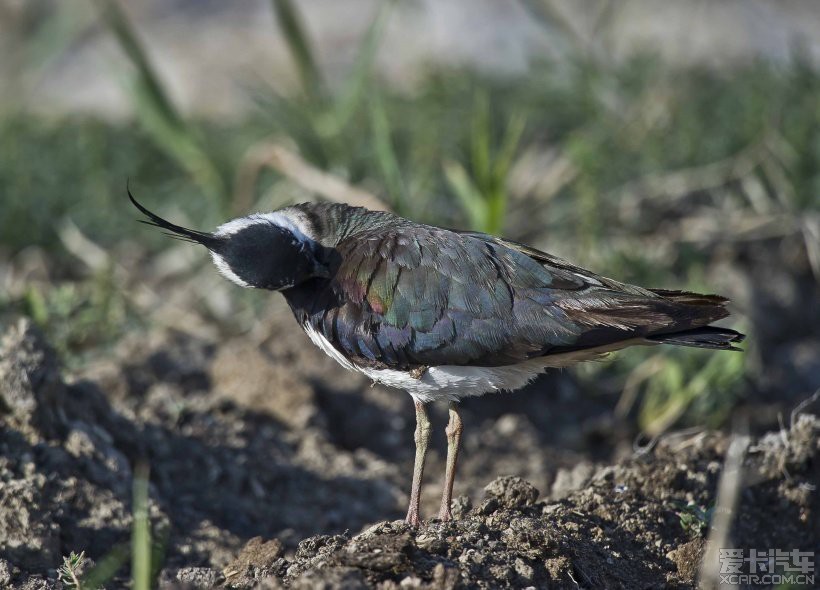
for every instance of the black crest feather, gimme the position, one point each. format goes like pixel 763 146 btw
pixel 208 240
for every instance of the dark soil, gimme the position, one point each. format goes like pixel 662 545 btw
pixel 266 458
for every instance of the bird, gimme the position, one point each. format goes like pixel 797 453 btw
pixel 441 313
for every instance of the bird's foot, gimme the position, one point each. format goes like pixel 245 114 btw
pixel 412 518
pixel 444 514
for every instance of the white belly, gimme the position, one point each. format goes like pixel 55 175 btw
pixel 453 382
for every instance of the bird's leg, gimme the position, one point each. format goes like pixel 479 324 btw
pixel 422 437
pixel 453 431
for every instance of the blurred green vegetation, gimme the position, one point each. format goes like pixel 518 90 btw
pixel 694 519
pixel 79 316
pixel 442 154
pixel 77 166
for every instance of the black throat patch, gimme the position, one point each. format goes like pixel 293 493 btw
pixel 267 256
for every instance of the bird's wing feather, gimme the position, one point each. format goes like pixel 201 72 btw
pixel 410 295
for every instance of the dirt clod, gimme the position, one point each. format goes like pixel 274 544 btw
pixel 511 492
pixel 687 558
pixel 258 560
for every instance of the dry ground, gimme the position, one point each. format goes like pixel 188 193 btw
pixel 267 460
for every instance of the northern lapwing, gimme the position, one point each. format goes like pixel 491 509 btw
pixel 444 314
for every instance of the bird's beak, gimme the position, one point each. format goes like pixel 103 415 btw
pixel 208 240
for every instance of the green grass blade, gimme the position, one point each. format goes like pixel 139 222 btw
pixel 509 146
pixel 157 112
pixel 106 568
pixel 350 97
pixel 469 197
pixel 496 211
pixel 126 36
pixel 35 306
pixel 386 155
pixel 480 150
pixel 141 532
pixel 297 41
pixel 499 170
pixel 159 550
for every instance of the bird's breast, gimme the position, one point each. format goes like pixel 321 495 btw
pixel 446 382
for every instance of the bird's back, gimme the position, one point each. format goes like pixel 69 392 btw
pixel 403 295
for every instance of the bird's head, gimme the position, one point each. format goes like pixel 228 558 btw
pixel 263 250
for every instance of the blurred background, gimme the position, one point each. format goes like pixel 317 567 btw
pixel 673 145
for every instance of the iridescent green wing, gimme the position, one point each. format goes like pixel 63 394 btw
pixel 417 295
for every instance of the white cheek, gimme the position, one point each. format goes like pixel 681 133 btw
pixel 226 271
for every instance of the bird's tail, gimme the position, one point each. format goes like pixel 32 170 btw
pixel 699 310
pixel 705 337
